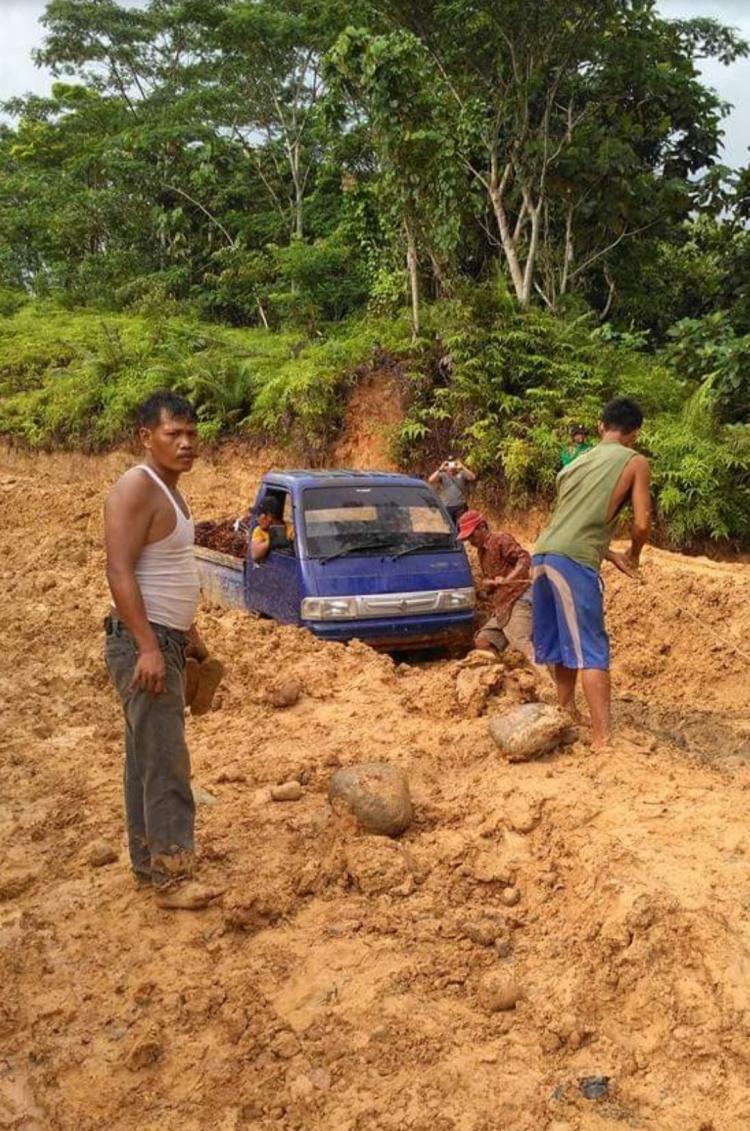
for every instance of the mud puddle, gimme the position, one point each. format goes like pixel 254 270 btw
pixel 713 735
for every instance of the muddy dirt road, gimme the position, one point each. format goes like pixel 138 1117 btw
pixel 341 983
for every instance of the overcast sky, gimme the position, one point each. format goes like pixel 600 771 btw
pixel 21 32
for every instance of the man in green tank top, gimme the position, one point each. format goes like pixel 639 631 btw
pixel 567 594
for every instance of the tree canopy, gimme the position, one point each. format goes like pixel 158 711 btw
pixel 190 146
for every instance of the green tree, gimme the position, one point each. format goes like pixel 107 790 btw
pixel 581 122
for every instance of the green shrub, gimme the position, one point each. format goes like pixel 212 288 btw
pixel 11 301
pixel 701 474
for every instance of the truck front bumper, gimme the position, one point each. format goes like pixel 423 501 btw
pixel 446 630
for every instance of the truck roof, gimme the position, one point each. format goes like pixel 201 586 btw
pixel 304 477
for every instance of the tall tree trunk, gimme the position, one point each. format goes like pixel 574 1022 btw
pixel 535 213
pixel 569 251
pixel 507 241
pixel 411 266
pixel 299 193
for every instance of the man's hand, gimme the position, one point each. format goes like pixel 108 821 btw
pixel 625 563
pixel 150 673
pixel 196 648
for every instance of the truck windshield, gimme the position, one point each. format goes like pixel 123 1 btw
pixel 373 519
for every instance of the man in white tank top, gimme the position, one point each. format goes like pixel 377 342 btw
pixel 153 579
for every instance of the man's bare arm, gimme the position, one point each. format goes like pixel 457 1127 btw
pixel 641 503
pixel 128 513
pixel 470 475
pixel 259 550
pixel 435 477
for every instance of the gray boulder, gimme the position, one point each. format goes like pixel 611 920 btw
pixel 528 731
pixel 376 794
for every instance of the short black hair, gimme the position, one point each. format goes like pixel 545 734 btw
pixel 622 415
pixel 270 505
pixel 149 411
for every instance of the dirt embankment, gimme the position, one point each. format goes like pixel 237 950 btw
pixel 339 985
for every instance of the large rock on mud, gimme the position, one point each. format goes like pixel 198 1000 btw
pixel 376 794
pixel 528 731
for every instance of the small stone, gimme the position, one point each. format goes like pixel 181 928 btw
pixel 289 791
pixel 376 794
pixel 549 879
pixel 230 776
pixel 483 933
pixel 528 731
pixel 497 992
pixel 284 693
pixel 320 1078
pixel 201 796
pixel 285 1045
pixel 145 1053
pixel 301 1090
pixel 510 896
pixel 551 1042
pixel 523 816
pixel 101 853
pixel 575 1039
pixel 594 1087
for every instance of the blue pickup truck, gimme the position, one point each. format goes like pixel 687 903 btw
pixel 373 556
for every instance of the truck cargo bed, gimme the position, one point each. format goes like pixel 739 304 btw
pixel 222 578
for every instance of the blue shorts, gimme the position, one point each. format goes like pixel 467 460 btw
pixel 568 614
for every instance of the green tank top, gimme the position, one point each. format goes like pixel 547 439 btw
pixel 579 527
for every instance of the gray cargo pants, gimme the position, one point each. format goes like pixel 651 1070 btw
pixel 159 806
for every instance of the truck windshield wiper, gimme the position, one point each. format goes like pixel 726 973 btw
pixel 423 546
pixel 358 549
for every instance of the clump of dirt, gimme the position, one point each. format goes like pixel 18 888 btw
pixel 348 981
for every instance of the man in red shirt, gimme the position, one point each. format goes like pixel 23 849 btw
pixel 503 561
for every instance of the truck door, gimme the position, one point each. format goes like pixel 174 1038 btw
pixel 273 586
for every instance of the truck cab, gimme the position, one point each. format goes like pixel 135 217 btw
pixel 373 556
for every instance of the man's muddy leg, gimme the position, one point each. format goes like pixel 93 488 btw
pixel 158 723
pixel 120 655
pixel 596 688
pixel 565 684
pixel 135 819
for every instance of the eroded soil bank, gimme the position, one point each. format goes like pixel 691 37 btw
pixel 339 983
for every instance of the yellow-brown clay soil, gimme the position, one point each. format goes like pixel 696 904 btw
pixel 342 981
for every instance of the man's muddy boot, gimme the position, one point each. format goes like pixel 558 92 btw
pixel 210 675
pixel 188 896
pixel 192 679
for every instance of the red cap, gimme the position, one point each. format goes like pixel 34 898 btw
pixel 468 522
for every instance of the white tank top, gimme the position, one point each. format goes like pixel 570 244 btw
pixel 167 572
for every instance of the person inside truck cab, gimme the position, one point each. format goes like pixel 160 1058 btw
pixel 271 532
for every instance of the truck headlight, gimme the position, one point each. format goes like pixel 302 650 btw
pixel 329 608
pixel 458 599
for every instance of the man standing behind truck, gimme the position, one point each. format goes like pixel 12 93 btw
pixel 567 595
pixel 452 480
pixel 153 579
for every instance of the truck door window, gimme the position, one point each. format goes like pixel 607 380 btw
pixel 282 537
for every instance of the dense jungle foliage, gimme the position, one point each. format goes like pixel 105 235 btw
pixel 521 202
